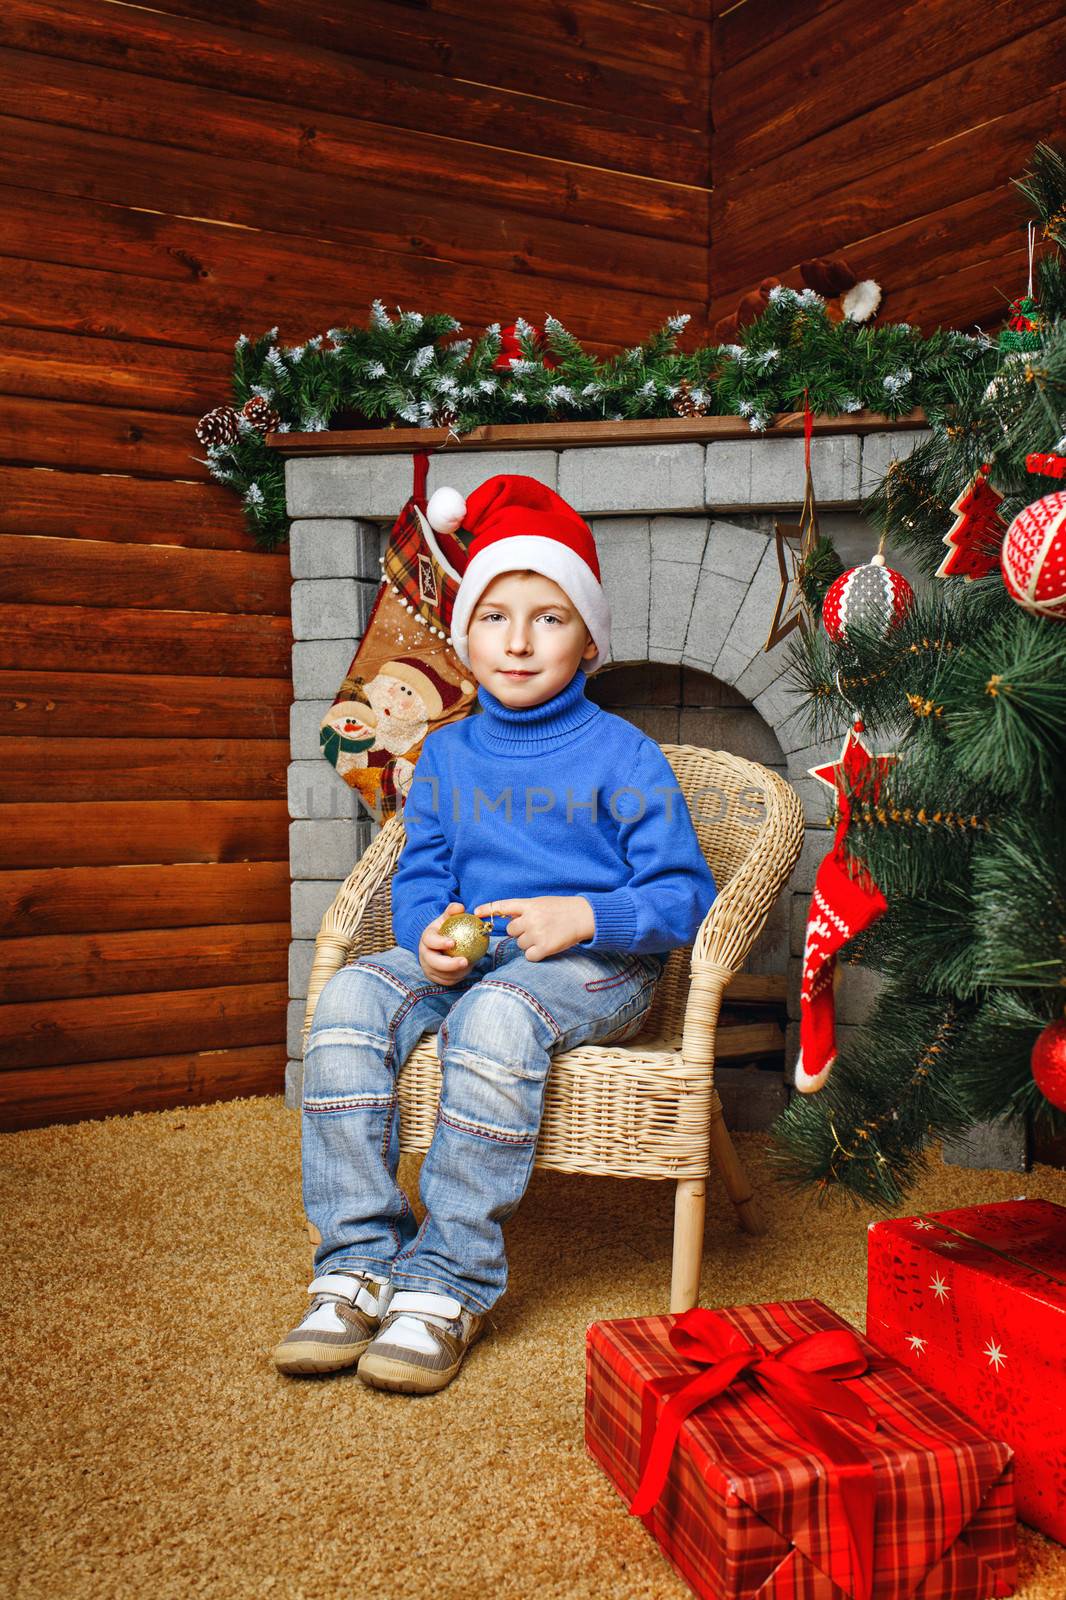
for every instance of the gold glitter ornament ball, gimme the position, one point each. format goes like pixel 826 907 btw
pixel 471 934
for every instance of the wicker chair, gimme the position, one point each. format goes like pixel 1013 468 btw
pixel 647 1108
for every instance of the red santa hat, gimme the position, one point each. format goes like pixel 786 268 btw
pixel 517 524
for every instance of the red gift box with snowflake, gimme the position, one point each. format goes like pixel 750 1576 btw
pixel 974 1302
pixel 775 1454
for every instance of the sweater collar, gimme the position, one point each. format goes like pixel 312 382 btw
pixel 533 729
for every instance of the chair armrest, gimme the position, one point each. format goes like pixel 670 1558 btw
pixel 340 925
pixel 739 913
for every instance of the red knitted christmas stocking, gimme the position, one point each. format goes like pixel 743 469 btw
pixel 841 907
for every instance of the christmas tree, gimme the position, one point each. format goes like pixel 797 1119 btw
pixel 964 832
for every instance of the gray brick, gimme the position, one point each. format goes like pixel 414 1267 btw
pixel 316 791
pixel 765 668
pixel 817 843
pixel 729 664
pixel 301 958
pixel 628 645
pixel 1000 1146
pixel 879 449
pixel 294 1085
pixel 319 667
pixel 799 906
pixel 295 1022
pixel 816 799
pixel 734 551
pixel 623 546
pixel 673 585
pixel 650 477
pixel 727 473
pixel 681 539
pixel 716 603
pixel 334 547
pixel 331 608
pixel 751 621
pixel 770 471
pixel 465 470
pixel 784 709
pixel 325 849
pixel 857 991
pixel 310 900
pixel 348 486
pixel 305 720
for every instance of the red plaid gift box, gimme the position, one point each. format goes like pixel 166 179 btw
pixel 750 1509
pixel 974 1302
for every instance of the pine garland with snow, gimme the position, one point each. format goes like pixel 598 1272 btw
pixel 410 371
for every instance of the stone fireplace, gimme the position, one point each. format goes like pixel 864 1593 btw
pixel 684 533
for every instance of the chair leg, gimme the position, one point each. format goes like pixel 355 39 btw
pixel 690 1202
pixel 737 1183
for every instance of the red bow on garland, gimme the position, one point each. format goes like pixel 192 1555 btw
pixel 803 1381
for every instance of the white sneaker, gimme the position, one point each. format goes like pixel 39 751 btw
pixel 345 1312
pixel 421 1343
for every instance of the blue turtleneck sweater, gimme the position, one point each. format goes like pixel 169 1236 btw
pixel 563 798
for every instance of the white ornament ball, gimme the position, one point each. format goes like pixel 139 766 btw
pixel 1034 557
pixel 446 510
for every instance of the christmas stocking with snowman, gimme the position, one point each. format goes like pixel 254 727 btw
pixel 405 678
pixel 845 902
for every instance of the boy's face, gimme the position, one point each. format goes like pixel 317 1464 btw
pixel 524 623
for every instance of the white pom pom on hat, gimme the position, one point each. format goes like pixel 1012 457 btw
pixel 519 524
pixel 446 510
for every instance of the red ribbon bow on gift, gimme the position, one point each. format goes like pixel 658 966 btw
pixel 803 1381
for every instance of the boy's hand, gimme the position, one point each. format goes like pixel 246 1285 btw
pixel 545 923
pixel 433 948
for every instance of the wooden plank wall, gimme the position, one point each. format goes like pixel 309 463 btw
pixel 172 176
pixel 888 133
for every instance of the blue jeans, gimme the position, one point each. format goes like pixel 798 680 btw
pixel 497 1031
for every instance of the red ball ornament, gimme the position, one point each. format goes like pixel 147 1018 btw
pixel 1034 557
pixel 1048 1062
pixel 871 597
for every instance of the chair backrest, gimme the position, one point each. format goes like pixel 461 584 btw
pixel 727 798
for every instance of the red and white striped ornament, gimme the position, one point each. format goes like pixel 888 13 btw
pixel 1034 557
pixel 872 597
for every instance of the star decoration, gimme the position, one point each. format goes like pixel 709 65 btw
pixel 995 1354
pixel 795 543
pixel 938 1286
pixel 921 1223
pixel 791 609
pixel 917 1344
pixel 856 773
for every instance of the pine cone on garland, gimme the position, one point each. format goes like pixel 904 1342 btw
pixel 446 417
pixel 684 405
pixel 218 426
pixel 261 414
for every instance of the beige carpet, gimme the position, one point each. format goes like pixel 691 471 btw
pixel 152 1263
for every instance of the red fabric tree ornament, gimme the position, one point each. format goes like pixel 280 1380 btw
pixel 974 538
pixel 872 597
pixel 1034 557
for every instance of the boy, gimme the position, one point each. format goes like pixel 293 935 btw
pixel 545 813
